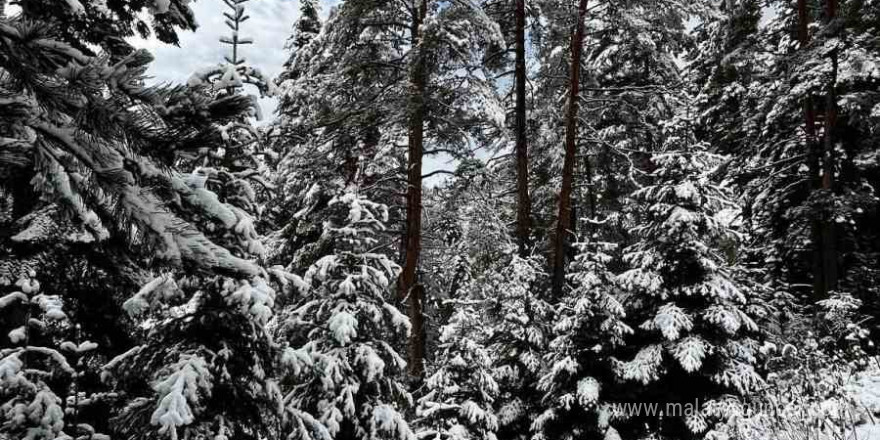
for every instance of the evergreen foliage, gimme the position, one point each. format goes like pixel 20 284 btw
pixel 176 264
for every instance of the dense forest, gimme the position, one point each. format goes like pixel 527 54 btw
pixel 466 220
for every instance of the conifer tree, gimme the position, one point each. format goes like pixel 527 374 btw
pixel 343 376
pixel 90 154
pixel 688 299
pixel 724 66
pixel 206 369
pixel 211 346
pixel 628 84
pixel 519 332
pixel 589 328
pixel 806 169
pixel 808 196
pixel 107 25
pixel 461 390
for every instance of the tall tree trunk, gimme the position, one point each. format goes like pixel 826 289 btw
pixel 803 23
pixel 563 216
pixel 829 242
pixel 523 202
pixel 813 161
pixel 408 283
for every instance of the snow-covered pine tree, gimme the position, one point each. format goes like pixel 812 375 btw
pixel 511 61
pixel 206 350
pixel 460 390
pixel 343 378
pixel 589 327
pixel 686 298
pixel 518 322
pixel 39 397
pixel 205 365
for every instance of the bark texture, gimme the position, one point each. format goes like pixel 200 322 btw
pixel 409 290
pixel 563 217
pixel 523 201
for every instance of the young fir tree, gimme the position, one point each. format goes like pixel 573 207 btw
pixel 687 301
pixel 468 232
pixel 460 390
pixel 204 367
pixel 519 322
pixel 235 169
pixel 589 327
pixel 343 377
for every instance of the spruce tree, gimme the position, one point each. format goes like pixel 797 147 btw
pixel 461 390
pixel 688 301
pixel 519 332
pixel 589 329
pixel 343 377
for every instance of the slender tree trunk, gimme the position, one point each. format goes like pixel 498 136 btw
pixel 813 161
pixel 829 242
pixel 409 288
pixel 524 204
pixel 563 216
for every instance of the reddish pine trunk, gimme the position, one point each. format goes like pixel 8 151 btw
pixel 563 216
pixel 829 242
pixel 524 204
pixel 820 161
pixel 803 22
pixel 408 283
